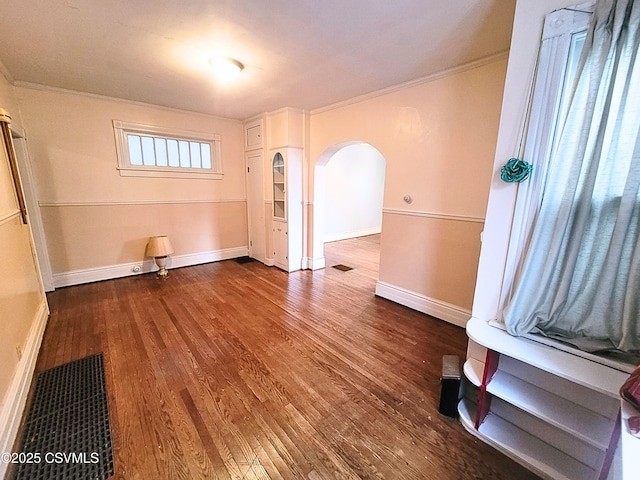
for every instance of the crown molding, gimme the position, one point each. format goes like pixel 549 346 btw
pixel 7 74
pixel 414 83
pixel 96 96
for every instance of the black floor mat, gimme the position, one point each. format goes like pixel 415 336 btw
pixel 342 268
pixel 66 432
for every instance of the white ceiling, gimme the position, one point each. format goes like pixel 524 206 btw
pixel 303 54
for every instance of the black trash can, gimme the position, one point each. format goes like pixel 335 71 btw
pixel 450 386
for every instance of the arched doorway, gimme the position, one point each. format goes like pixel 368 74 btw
pixel 348 191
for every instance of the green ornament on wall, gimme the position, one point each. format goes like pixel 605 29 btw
pixel 515 171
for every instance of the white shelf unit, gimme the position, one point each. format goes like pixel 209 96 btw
pixel 523 447
pixel 554 412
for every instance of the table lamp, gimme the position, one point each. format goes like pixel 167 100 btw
pixel 159 247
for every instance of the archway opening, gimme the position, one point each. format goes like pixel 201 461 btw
pixel 348 198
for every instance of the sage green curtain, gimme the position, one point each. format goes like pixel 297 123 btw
pixel 580 279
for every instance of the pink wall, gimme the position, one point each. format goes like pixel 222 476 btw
pixel 438 139
pixel 23 305
pixel 96 219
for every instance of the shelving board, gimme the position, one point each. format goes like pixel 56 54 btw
pixel 279 197
pixel 524 448
pixel 580 422
pixel 576 369
pixel 605 405
pixel 610 362
pixel 473 369
pixel 560 412
pixel 278 209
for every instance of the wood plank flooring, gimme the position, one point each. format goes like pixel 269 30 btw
pixel 242 371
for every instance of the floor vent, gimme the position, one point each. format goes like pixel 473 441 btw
pixel 342 268
pixel 66 432
pixel 242 260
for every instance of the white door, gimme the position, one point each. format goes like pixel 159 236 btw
pixel 255 206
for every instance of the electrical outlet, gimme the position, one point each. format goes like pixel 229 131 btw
pixel 19 352
pixel 136 269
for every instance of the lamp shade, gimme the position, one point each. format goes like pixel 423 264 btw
pixel 159 246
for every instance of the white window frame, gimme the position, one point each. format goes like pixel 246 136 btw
pixel 127 169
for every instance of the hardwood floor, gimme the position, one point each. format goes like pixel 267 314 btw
pixel 242 371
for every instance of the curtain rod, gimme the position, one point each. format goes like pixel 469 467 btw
pixel 577 10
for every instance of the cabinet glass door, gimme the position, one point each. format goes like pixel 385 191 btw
pixel 279 202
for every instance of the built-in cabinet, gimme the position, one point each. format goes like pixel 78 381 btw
pixel 286 178
pixel 280 245
pixel 277 138
pixel 279 228
pixel 555 412
pixel 548 407
pixel 253 134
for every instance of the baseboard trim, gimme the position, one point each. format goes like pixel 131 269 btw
pixel 436 308
pixel 355 234
pixel 16 399
pixel 77 277
pixel 317 263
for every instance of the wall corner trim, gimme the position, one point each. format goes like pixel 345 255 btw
pixel 13 407
pixel 436 308
pixel 317 263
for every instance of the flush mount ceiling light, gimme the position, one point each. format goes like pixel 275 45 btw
pixel 225 69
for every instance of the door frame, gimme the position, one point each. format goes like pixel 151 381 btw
pixel 33 208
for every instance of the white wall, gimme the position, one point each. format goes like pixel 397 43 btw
pixel 354 192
